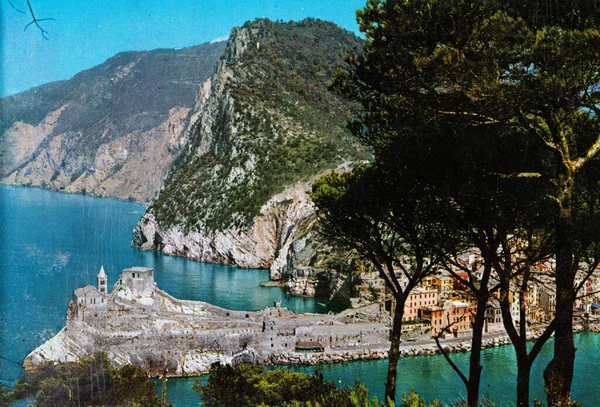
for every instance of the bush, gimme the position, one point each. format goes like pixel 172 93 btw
pixel 249 386
pixel 89 382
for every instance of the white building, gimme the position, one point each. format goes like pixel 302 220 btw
pixel 90 304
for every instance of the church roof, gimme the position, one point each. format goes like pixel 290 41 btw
pixel 101 273
pixel 87 290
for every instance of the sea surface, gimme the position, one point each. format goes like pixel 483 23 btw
pixel 432 377
pixel 52 243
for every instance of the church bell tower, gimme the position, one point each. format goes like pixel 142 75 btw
pixel 102 281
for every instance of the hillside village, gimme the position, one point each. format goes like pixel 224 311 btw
pixel 441 301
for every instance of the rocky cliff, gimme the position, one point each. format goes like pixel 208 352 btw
pixel 112 130
pixel 238 192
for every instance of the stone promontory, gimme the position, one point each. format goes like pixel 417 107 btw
pixel 139 324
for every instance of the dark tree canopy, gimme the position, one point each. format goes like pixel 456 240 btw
pixel 249 386
pixel 493 106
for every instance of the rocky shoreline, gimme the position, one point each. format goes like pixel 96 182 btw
pixel 407 349
pixel 197 364
pixel 427 348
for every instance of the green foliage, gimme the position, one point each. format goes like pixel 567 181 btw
pixel 496 102
pixel 383 218
pixel 130 385
pixel 568 403
pixel 413 400
pixel 90 382
pixel 280 126
pixel 21 390
pixel 6 396
pixel 393 219
pixel 249 386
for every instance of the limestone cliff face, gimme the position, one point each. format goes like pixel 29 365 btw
pixel 266 244
pixel 130 166
pixel 111 131
pixel 238 194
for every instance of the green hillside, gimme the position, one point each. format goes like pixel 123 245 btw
pixel 275 123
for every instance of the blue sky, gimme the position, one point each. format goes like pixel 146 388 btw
pixel 86 33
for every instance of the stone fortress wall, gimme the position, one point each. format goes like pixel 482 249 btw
pixel 140 324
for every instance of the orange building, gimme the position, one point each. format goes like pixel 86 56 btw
pixel 418 299
pixel 456 314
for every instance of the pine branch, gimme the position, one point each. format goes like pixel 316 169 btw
pixel 591 153
pixel 14 7
pixel 35 20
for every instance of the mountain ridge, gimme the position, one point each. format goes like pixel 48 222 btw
pixel 97 132
pixel 238 193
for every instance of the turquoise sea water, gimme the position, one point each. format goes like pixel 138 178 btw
pixel 53 243
pixel 432 377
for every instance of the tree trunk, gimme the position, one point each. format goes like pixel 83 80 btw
pixel 558 375
pixel 519 344
pixel 475 359
pixel 394 353
pixel 523 377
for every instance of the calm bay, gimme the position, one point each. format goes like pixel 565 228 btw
pixel 53 243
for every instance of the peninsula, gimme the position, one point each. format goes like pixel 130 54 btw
pixel 137 323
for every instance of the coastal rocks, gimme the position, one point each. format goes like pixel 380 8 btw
pixel 192 362
pixel 238 192
pixel 313 359
pixel 148 328
pixel 141 325
pixel 60 348
pixel 282 239
pixel 303 281
pixel 264 245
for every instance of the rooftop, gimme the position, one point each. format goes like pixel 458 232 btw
pixel 88 289
pixel 139 269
